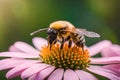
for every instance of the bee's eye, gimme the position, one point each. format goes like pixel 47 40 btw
pixel 54 32
pixel 51 31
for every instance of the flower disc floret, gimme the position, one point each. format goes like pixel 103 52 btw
pixel 73 57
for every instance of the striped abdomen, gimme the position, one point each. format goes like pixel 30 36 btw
pixel 79 40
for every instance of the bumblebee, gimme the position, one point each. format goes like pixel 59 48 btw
pixel 63 31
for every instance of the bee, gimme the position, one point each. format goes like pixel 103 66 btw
pixel 63 31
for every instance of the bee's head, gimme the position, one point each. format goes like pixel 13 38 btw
pixel 52 35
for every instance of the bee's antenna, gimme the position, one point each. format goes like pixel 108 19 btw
pixel 38 31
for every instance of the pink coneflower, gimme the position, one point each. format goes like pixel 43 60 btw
pixel 41 63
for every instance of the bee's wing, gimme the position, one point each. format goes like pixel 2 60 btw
pixel 40 30
pixel 87 33
pixel 91 34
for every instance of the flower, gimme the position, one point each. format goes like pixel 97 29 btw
pixel 41 63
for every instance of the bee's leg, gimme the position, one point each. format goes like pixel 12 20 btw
pixel 62 43
pixel 82 45
pixel 54 41
pixel 50 42
pixel 70 43
pixel 49 45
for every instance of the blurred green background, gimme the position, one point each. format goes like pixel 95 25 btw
pixel 18 18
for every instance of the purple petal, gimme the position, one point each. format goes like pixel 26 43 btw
pixel 57 74
pixel 114 67
pixel 17 55
pixel 39 42
pixel 11 64
pixel 19 69
pixel 103 72
pixel 113 50
pixel 98 47
pixel 13 49
pixel 45 73
pixel 70 75
pixel 12 76
pixel 83 75
pixel 105 60
pixel 33 70
pixel 32 77
pixel 24 47
pixel 4 61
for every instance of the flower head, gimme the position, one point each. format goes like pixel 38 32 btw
pixel 56 64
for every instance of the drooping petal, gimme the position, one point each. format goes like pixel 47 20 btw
pixel 83 75
pixel 17 55
pixel 45 73
pixel 39 42
pixel 104 72
pixel 98 47
pixel 70 75
pixel 33 70
pixel 57 74
pixel 24 47
pixel 19 69
pixel 105 60
pixel 113 50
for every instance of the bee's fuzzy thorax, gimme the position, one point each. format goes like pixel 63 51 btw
pixel 61 24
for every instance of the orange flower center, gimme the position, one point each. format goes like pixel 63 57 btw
pixel 73 57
